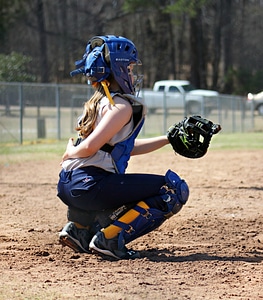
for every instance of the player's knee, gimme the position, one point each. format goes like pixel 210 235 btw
pixel 174 193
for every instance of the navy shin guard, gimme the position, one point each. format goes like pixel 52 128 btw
pixel 172 196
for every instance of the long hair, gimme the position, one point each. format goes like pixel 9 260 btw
pixel 91 107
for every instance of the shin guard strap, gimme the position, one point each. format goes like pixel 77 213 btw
pixel 127 227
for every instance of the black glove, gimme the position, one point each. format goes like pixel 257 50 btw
pixel 191 137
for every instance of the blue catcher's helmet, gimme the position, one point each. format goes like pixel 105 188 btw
pixel 107 55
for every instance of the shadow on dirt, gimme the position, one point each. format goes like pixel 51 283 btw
pixel 168 256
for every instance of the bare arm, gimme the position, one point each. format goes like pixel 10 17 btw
pixel 114 118
pixel 143 146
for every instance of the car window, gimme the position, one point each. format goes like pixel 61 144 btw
pixel 188 87
pixel 161 88
pixel 173 89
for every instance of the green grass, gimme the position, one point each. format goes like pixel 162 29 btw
pixel 43 146
pixel 238 141
pixel 54 149
pixel 44 150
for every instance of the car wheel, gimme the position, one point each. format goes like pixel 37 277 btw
pixel 260 109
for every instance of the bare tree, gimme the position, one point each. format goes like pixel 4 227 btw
pixel 217 42
pixel 198 51
pixel 227 45
pixel 42 41
pixel 207 41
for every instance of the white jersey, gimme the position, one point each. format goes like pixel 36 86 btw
pixel 101 158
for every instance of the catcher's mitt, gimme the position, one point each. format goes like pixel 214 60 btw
pixel 191 137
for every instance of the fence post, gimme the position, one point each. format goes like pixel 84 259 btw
pixel 21 109
pixel 252 110
pixel 57 90
pixel 165 112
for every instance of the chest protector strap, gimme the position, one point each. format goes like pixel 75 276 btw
pixel 120 152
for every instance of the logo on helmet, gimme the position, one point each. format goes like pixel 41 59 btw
pixel 122 59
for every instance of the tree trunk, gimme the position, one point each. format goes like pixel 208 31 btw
pixel 181 47
pixel 64 37
pixel 42 42
pixel 197 52
pixel 228 35
pixel 216 49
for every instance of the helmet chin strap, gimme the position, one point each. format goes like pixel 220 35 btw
pixel 105 84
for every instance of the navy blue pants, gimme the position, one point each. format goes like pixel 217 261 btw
pixel 92 188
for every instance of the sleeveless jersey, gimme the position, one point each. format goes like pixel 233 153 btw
pixel 114 156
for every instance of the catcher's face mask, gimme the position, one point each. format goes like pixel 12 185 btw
pixel 135 78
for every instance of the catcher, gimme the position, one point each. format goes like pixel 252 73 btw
pixel 106 207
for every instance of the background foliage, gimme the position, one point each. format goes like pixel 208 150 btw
pixel 214 43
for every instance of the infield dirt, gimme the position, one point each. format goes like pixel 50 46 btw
pixel 213 249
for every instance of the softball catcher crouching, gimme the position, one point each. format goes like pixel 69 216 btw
pixel 108 208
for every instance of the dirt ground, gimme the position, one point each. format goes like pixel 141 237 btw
pixel 213 249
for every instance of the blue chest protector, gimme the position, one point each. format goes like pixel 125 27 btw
pixel 121 151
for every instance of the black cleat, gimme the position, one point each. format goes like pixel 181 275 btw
pixel 76 238
pixel 110 247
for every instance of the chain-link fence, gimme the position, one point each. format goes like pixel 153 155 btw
pixel 30 112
